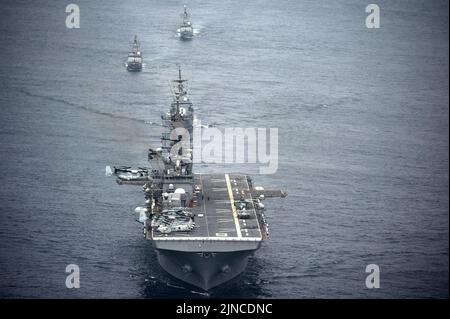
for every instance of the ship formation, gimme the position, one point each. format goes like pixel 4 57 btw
pixel 203 227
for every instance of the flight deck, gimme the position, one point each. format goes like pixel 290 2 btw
pixel 215 212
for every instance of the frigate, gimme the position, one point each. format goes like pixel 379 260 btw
pixel 186 29
pixel 202 226
pixel 134 60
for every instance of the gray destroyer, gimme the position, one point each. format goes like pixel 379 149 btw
pixel 134 59
pixel 186 29
pixel 202 226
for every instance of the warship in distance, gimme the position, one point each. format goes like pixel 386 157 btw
pixel 202 226
pixel 186 29
pixel 134 60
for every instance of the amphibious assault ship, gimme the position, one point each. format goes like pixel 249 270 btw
pixel 202 226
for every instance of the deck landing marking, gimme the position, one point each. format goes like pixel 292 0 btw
pixel 233 208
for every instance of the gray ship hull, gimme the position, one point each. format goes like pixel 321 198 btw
pixel 134 67
pixel 203 269
pixel 186 36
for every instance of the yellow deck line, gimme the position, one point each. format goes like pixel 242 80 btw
pixel 233 208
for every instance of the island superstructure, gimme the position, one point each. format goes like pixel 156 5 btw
pixel 202 226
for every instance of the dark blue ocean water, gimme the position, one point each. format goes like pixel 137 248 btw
pixel 363 127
